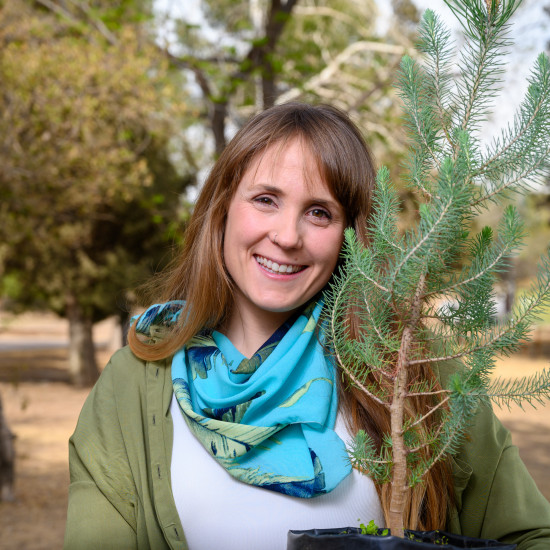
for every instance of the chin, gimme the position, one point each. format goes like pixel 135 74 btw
pixel 278 307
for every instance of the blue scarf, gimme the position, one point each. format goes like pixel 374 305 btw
pixel 268 420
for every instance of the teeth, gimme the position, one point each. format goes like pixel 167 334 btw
pixel 275 267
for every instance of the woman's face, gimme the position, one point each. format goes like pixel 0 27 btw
pixel 283 233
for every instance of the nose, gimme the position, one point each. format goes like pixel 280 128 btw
pixel 288 233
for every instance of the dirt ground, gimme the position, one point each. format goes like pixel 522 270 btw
pixel 42 410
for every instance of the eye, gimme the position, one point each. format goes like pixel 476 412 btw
pixel 320 214
pixel 264 200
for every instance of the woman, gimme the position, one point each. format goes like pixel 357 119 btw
pixel 223 424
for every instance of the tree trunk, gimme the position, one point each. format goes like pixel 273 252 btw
pixel 7 459
pixel 219 113
pixel 399 484
pixel 269 89
pixel 124 322
pixel 82 362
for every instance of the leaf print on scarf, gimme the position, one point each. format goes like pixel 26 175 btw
pixel 232 414
pixel 202 351
pixel 250 366
pixel 288 485
pixel 254 476
pixel 312 322
pixel 300 392
pixel 158 320
pixel 224 440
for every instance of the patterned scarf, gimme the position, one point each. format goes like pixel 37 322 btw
pixel 268 420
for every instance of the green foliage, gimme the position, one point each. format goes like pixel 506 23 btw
pixel 426 295
pixel 89 195
pixel 372 529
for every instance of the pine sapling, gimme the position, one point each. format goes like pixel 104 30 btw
pixel 424 298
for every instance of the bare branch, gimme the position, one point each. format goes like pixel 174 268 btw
pixel 325 11
pixel 416 394
pixel 56 8
pixel 95 21
pixel 85 8
pixel 331 69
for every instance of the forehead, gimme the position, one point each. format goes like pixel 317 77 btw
pixel 292 159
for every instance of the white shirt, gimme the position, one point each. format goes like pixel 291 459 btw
pixel 217 511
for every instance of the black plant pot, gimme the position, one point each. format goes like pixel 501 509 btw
pixel 350 538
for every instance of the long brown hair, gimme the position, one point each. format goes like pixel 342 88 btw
pixel 199 277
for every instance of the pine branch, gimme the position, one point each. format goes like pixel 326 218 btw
pixel 354 250
pixel 333 321
pixel 499 338
pixel 485 29
pixel 520 390
pixel 381 337
pixel 413 93
pixel 512 183
pixel 418 246
pixel 534 107
pixel 442 403
pixel 363 455
pixel 384 219
pixel 434 42
pixel 446 449
pixel 487 259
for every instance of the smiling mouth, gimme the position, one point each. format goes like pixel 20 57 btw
pixel 274 267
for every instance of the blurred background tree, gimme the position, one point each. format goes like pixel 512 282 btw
pixel 89 198
pixel 245 56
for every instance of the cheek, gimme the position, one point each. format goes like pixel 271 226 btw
pixel 242 230
pixel 235 229
pixel 329 249
pixel 229 240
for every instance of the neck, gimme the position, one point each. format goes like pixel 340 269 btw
pixel 249 331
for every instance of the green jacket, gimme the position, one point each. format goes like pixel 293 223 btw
pixel 120 495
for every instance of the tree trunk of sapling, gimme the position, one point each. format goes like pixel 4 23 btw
pixel 399 449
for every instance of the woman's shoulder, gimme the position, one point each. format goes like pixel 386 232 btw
pixel 123 366
pixel 127 387
pixel 125 377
